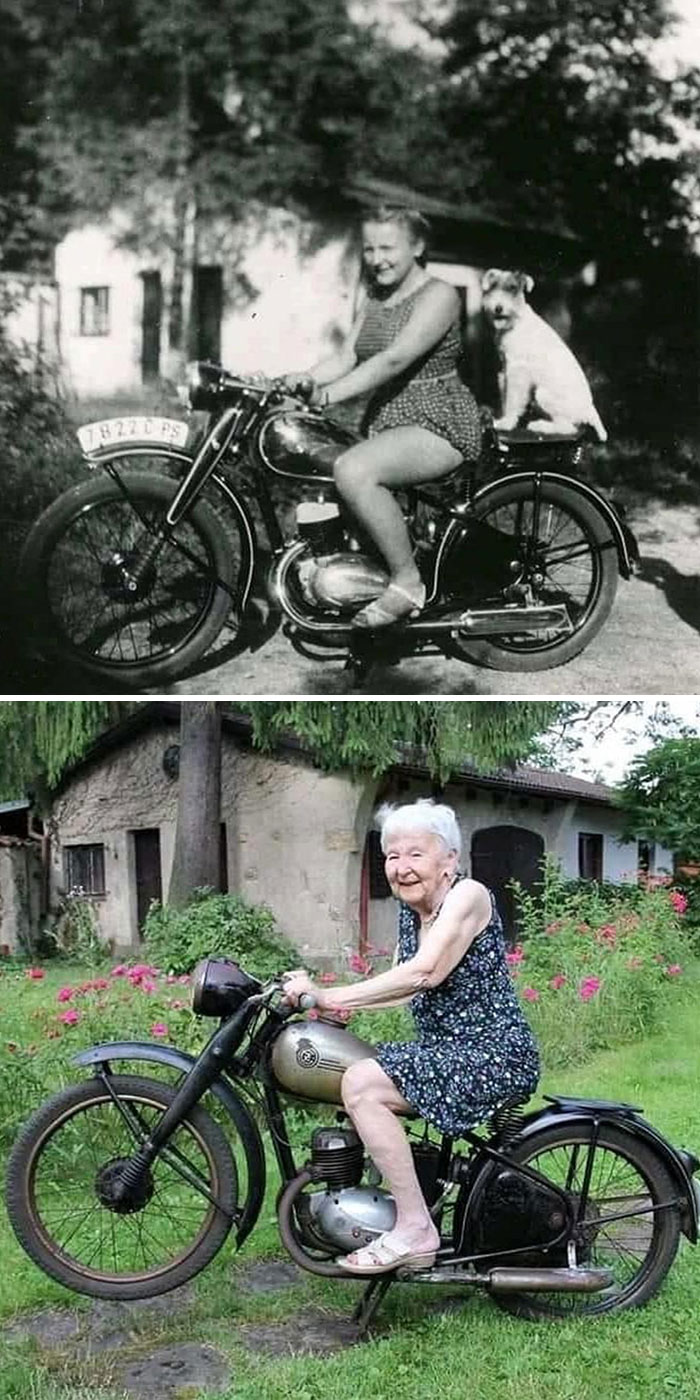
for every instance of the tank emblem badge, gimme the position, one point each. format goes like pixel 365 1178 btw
pixel 307 1055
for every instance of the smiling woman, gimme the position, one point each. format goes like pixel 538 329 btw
pixel 421 420
pixel 474 1049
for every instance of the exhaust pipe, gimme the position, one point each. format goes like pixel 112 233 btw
pixel 572 1280
pixel 489 622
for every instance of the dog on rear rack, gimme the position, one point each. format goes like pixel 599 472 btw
pixel 541 382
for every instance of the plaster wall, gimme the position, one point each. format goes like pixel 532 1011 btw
pixel 295 837
pixel 97 364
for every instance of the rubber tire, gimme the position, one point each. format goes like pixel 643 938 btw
pixel 18 1191
pixel 486 652
pixel 664 1244
pixel 52 524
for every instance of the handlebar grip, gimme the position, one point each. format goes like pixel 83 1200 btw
pixel 306 1001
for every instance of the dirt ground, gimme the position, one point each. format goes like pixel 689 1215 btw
pixel 650 644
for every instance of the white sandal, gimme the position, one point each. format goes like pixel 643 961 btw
pixel 380 613
pixel 381 1257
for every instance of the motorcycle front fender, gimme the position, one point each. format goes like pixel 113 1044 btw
pixel 100 1056
pixel 679 1164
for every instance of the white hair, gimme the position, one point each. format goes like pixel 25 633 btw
pixel 423 815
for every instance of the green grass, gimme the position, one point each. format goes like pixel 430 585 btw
pixel 418 1351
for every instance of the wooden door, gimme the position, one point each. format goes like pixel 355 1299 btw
pixel 504 853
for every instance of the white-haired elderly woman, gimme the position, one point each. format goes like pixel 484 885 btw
pixel 474 1048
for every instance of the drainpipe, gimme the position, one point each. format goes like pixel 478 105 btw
pixel 364 902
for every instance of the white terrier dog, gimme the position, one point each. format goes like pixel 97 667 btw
pixel 539 373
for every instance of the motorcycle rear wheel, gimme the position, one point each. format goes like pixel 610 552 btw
pixel 58 1180
pixel 639 1249
pixel 70 577
pixel 580 566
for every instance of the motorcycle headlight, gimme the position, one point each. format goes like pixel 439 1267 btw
pixel 220 986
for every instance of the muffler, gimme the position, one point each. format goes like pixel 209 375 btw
pixel 494 622
pixel 574 1280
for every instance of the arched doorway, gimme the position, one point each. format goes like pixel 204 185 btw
pixel 503 853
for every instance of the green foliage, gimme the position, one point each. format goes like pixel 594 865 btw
pixel 221 925
pixel 73 932
pixel 39 738
pixel 37 442
pixel 660 797
pixel 568 91
pixel 598 964
pixel 371 735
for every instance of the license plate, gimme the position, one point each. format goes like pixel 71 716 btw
pixel 136 428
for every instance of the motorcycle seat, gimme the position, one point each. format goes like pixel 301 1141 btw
pixel 606 1106
pixel 524 438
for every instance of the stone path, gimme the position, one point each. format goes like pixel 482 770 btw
pixel 118 1338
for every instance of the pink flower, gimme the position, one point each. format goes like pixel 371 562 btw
pixel 634 964
pixel 65 994
pixel 158 1028
pixel 177 1005
pixel 679 901
pixel 607 933
pixel 557 982
pixel 70 1018
pixel 674 970
pixel 100 983
pixel 588 988
pixel 515 955
pixel 35 973
pixel 149 987
pixel 583 928
pixel 357 963
pixel 531 994
pixel 184 980
pixel 555 927
pixel 119 971
pixel 326 978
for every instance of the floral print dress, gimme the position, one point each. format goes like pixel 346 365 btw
pixel 474 1047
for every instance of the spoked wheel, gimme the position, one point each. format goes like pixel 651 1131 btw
pixel 64 1204
pixel 113 594
pixel 630 1225
pixel 569 557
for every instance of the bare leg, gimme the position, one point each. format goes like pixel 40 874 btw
pixel 372 1101
pixel 365 475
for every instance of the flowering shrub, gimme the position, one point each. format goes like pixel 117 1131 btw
pixel 45 1020
pixel 597 966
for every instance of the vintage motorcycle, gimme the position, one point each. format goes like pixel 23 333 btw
pixel 134 574
pixel 124 1186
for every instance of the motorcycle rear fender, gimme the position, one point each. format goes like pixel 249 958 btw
pixel 99 1055
pixel 678 1164
pixel 627 549
pixel 106 457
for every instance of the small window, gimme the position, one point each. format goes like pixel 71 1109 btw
pixel 378 883
pixel 84 869
pixel 590 855
pixel 94 310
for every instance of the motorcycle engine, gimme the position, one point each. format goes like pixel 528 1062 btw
pixel 335 577
pixel 346 1214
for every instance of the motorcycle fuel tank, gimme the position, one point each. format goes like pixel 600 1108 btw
pixel 309 1058
pixel 303 444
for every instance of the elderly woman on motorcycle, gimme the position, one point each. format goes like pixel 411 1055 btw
pixel 474 1049
pixel 421 420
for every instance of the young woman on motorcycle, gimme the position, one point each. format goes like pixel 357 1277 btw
pixel 421 420
pixel 474 1048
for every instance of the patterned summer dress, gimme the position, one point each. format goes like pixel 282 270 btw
pixel 474 1048
pixel 429 394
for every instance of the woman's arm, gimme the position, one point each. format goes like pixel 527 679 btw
pixel 465 913
pixel 337 365
pixel 433 314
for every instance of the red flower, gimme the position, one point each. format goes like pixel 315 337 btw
pixel 531 994
pixel 70 1018
pixel 557 981
pixel 674 970
pixel 679 901
pixel 65 994
pixel 35 973
pixel 515 955
pixel 588 988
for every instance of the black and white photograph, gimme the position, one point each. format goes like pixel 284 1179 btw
pixel 350 348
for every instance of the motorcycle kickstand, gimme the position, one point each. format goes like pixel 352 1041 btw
pixel 369 1302
pixel 360 661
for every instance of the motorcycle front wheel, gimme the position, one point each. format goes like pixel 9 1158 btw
pixel 108 595
pixel 62 1204
pixel 631 1224
pixel 577 565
